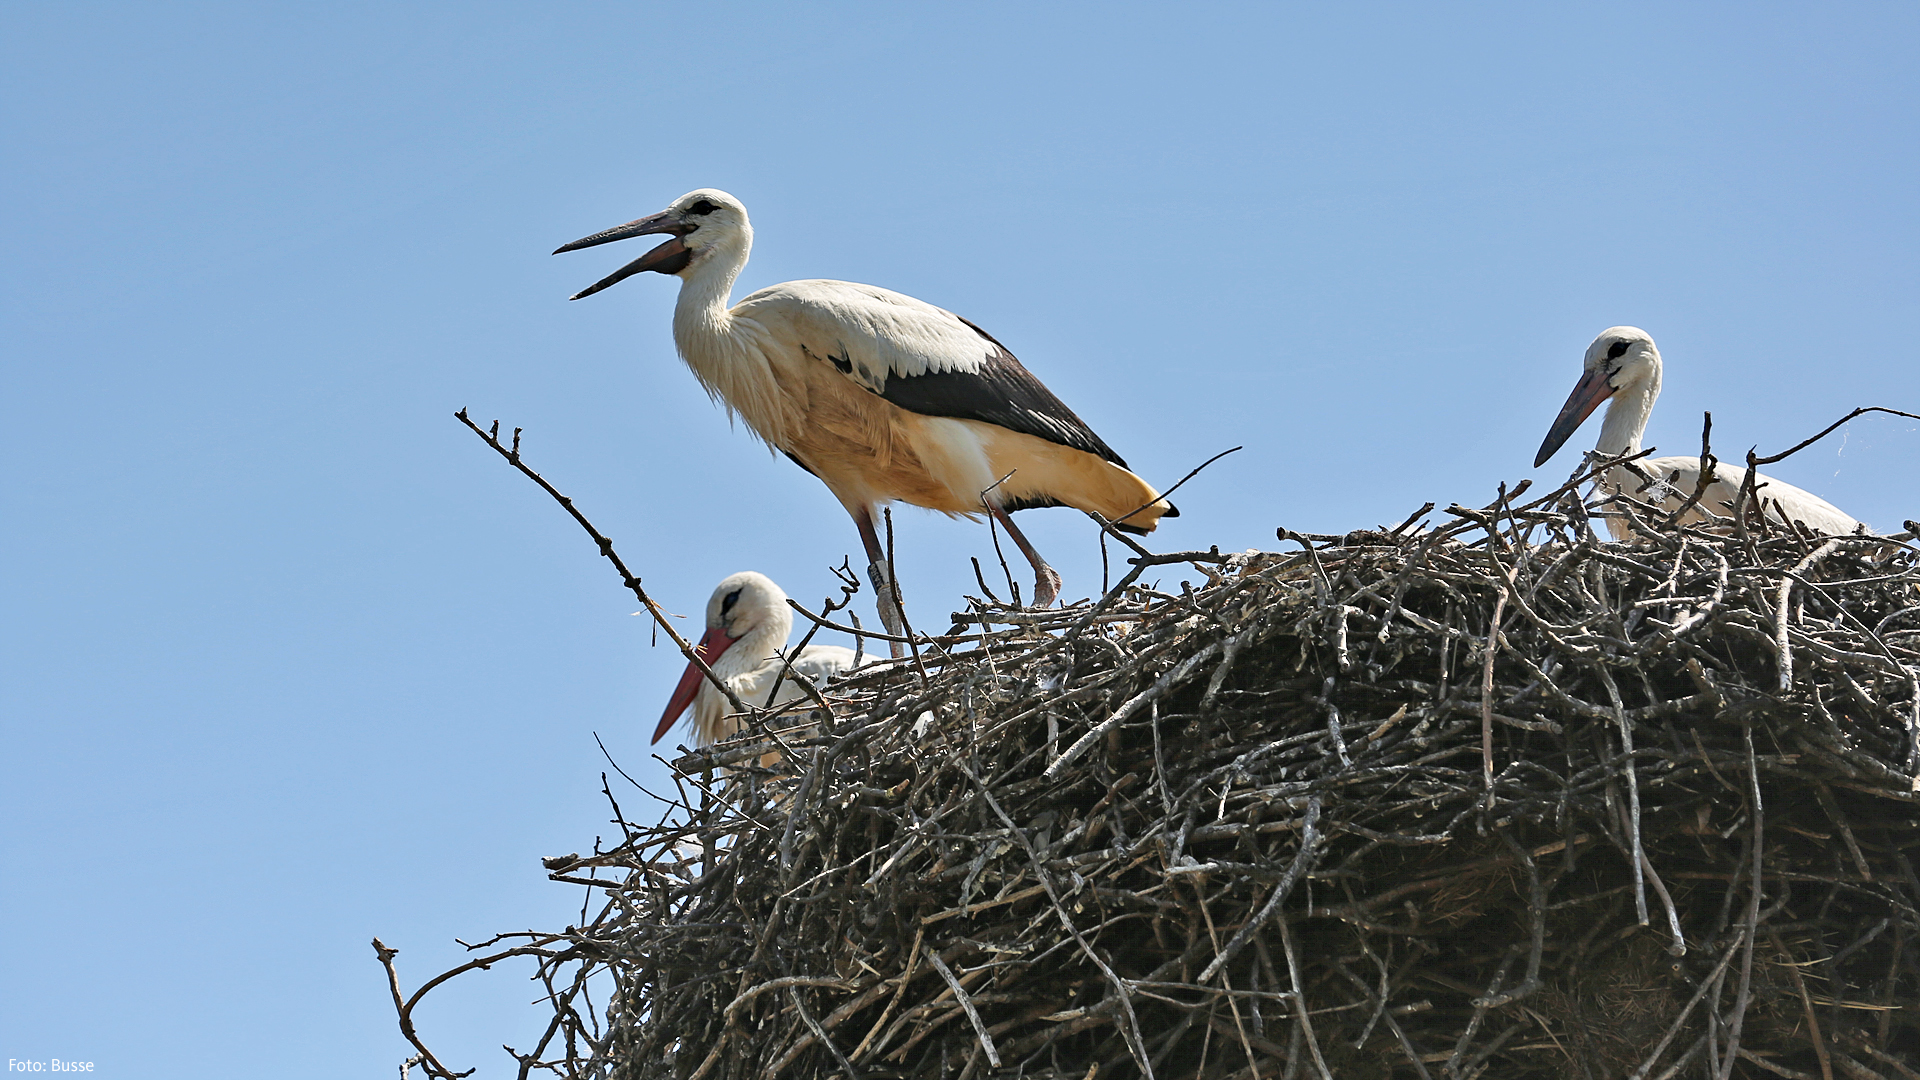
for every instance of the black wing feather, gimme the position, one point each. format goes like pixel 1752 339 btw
pixel 1001 392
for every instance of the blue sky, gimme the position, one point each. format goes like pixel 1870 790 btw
pixel 290 659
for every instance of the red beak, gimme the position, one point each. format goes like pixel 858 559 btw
pixel 709 649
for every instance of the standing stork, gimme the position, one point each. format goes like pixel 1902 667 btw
pixel 747 624
pixel 1623 364
pixel 881 396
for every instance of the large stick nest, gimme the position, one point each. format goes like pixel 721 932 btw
pixel 1492 799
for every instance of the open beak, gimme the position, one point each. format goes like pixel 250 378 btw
pixel 669 258
pixel 710 648
pixel 1592 389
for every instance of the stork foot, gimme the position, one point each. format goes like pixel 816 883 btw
pixel 883 590
pixel 1046 586
pixel 1046 581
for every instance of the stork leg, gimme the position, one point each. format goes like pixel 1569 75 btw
pixel 1046 582
pixel 881 573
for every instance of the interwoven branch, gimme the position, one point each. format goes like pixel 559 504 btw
pixel 1390 805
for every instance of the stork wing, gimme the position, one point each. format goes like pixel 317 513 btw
pixel 822 662
pixel 921 358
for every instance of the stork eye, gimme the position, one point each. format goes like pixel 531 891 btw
pixel 1615 350
pixel 726 604
pixel 703 208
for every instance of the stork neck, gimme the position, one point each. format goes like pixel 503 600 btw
pixel 754 649
pixel 741 667
pixel 1626 419
pixel 706 291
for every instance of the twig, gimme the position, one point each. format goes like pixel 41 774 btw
pixel 1707 472
pixel 1781 644
pixel 1486 686
pixel 1753 462
pixel 1302 859
pixel 966 1003
pixel 1178 484
pixel 606 548
pixel 1752 926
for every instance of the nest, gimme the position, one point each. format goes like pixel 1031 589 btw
pixel 1492 798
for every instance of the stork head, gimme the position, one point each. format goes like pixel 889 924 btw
pixel 701 225
pixel 1622 357
pixel 745 603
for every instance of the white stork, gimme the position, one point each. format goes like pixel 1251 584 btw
pixel 1623 364
pixel 881 396
pixel 747 624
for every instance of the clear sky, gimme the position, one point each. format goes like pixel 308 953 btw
pixel 288 659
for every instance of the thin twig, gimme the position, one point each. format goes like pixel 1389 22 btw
pixel 606 549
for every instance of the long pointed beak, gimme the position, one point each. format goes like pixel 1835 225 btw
pixel 668 258
pixel 1592 389
pixel 710 648
pixel 652 223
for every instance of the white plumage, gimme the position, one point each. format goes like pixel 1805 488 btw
pixel 881 396
pixel 1623 364
pixel 747 625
